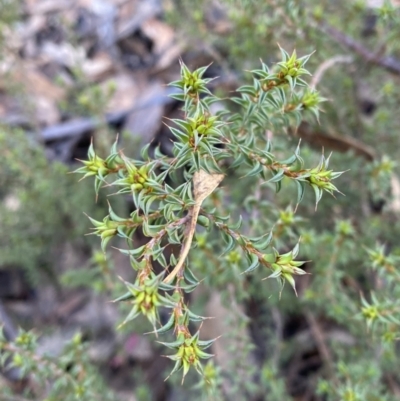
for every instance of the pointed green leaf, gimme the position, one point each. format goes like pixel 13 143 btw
pixel 254 263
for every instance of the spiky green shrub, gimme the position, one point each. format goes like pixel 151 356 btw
pixel 347 309
pixel 169 192
pixel 38 208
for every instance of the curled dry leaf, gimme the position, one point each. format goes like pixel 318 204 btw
pixel 204 185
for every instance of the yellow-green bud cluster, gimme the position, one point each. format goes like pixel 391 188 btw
pixel 203 125
pixel 98 167
pixel 105 229
pixel 233 257
pixel 135 178
pixel 378 258
pixel 192 81
pixel 95 166
pixel 311 98
pixel 344 228
pixel 284 266
pixel 286 217
pixel 190 351
pixel 370 312
pixel 145 299
pixel 138 178
pixel 321 179
pixel 292 66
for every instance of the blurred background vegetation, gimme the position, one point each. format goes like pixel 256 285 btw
pixel 73 70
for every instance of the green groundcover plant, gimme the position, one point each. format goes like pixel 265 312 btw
pixel 206 148
pixel 209 215
pixel 169 192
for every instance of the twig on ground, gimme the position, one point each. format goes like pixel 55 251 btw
pixel 321 344
pixel 389 63
pixel 326 65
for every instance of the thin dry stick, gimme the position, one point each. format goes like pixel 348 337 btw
pixel 326 65
pixel 389 63
pixel 204 185
pixel 321 345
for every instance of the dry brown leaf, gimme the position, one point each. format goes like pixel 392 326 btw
pixel 204 185
pixel 37 84
pixel 47 112
pixel 395 202
pixel 126 91
pixel 169 56
pixel 98 68
pixel 47 6
pixel 161 34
